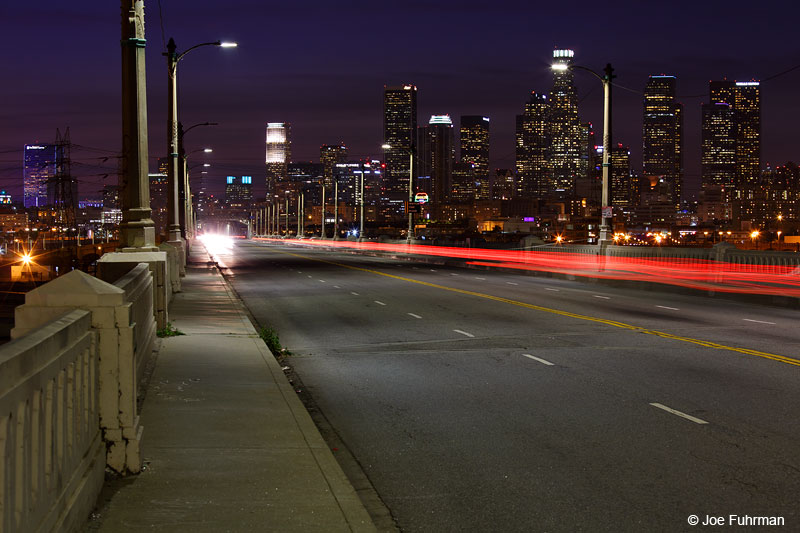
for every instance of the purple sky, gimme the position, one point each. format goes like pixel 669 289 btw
pixel 322 66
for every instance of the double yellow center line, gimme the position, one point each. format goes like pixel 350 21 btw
pixel 613 323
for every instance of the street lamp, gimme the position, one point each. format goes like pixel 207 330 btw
pixel 754 236
pixel 410 152
pixel 185 208
pixel 173 57
pixel 606 208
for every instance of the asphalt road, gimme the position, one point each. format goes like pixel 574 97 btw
pixel 487 401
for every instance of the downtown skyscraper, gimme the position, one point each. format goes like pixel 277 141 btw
pixel 329 156
pixel 474 136
pixel 734 107
pixel 662 135
pixel 278 153
pixel 38 172
pixel 399 134
pixel 442 154
pixel 568 153
pixel 718 146
pixel 533 149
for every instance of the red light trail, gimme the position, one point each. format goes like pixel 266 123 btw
pixel 702 274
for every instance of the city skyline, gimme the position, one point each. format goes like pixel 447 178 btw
pixel 334 94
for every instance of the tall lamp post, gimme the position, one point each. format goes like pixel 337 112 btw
pixel 606 209
pixel 173 57
pixel 184 197
pixel 410 152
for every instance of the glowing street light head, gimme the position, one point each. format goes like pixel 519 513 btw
pixel 26 259
pixel 754 234
pixel 207 150
pixel 228 45
pixel 560 66
pixel 386 146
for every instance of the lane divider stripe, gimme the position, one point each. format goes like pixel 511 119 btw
pixel 612 323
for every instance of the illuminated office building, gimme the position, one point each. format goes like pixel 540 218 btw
pixel 329 156
pixel 747 105
pixel 533 148
pixel 568 154
pixel 744 99
pixel 464 185
pixel 305 176
pixel 443 154
pixel 662 134
pixel 474 136
pixel 278 153
pixel 399 133
pixel 238 192
pixel 159 194
pixel 505 184
pixel 39 170
pixel 718 146
pixel 623 188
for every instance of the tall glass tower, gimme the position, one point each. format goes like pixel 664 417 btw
pixel 662 134
pixel 744 100
pixel 747 106
pixel 566 148
pixel 279 153
pixel 39 169
pixel 532 149
pixel 399 132
pixel 442 143
pixel 718 146
pixel 475 151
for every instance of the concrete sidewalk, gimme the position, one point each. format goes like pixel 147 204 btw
pixel 227 444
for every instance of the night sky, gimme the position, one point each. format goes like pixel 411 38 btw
pixel 322 66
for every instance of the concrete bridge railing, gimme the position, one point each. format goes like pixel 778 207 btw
pixel 68 395
pixel 53 452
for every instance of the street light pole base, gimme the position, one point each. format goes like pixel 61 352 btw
pixel 606 236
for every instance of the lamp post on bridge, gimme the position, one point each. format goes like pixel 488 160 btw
pixel 176 235
pixel 184 197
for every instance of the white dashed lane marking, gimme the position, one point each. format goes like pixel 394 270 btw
pixel 758 321
pixel 464 333
pixel 379 302
pixel 678 413
pixel 603 297
pixel 415 316
pixel 543 361
pixel 670 308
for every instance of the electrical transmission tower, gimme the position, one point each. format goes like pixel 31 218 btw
pixel 65 188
